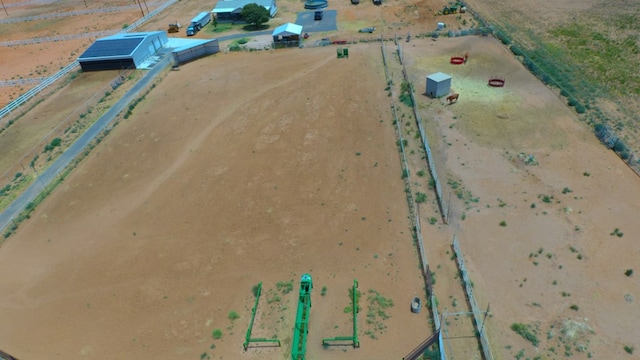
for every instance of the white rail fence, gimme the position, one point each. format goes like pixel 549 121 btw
pixel 24 98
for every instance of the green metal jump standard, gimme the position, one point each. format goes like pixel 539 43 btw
pixel 354 311
pixel 301 329
pixel 248 338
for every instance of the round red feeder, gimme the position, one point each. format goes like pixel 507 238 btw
pixel 496 82
pixel 457 60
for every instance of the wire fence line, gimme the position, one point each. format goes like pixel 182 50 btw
pixel 484 342
pixel 56 15
pixel 29 3
pixel 18 82
pixel 57 38
pixel 425 141
pixel 24 98
pixel 414 212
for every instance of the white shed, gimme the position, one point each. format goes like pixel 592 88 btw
pixel 287 35
pixel 288 30
pixel 438 84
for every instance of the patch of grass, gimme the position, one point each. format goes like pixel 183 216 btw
pixel 421 197
pixel 527 332
pixel 285 287
pixel 233 315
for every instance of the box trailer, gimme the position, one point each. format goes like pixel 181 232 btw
pixel 198 23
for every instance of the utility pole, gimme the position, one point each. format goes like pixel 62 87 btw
pixel 486 313
pixel 142 11
pixel 39 178
pixel 4 7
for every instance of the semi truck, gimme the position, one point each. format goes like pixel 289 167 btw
pixel 198 23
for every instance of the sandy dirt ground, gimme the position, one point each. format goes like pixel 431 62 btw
pixel 539 239
pixel 257 178
pixel 228 175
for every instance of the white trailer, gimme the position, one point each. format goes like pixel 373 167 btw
pixel 198 23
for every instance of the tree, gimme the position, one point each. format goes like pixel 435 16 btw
pixel 255 15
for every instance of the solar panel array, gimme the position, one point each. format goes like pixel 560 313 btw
pixel 112 47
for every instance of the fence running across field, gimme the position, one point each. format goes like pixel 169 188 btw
pixel 415 216
pixel 18 82
pixel 56 15
pixel 22 99
pixel 425 141
pixel 484 342
pixel 57 38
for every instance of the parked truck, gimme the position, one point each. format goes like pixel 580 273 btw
pixel 198 23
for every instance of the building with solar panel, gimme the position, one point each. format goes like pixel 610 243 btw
pixel 122 51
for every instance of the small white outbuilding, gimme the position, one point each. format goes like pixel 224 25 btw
pixel 438 85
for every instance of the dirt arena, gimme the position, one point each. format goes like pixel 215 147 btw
pixel 249 167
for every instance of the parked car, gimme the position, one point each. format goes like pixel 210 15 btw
pixel 368 30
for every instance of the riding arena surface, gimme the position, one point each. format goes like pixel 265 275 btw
pixel 258 167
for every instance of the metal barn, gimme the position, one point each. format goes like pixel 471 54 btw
pixel 438 84
pixel 122 51
pixel 287 34
pixel 185 50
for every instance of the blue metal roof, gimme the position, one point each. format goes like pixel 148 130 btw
pixel 111 47
pixel 115 45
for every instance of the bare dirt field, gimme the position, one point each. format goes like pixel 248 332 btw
pixel 253 177
pixel 541 240
pixel 249 167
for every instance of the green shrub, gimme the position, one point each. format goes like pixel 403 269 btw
pixel 526 332
pixel 516 51
pixel 233 315
pixel 628 272
pixel 285 286
pixel 620 147
pixel 216 334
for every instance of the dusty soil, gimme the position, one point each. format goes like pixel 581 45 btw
pixel 242 175
pixel 555 257
pixel 215 200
